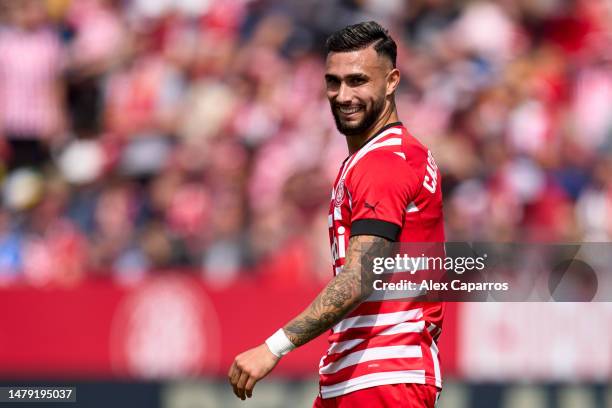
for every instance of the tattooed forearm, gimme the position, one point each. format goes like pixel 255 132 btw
pixel 340 296
pixel 343 293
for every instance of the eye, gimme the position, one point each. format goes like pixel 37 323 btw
pixel 356 81
pixel 332 83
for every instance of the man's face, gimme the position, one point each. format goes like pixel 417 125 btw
pixel 356 84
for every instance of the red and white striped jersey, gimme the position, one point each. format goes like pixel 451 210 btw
pixel 30 66
pixel 390 188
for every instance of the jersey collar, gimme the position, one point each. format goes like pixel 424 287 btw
pixel 382 129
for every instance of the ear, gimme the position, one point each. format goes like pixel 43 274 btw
pixel 393 79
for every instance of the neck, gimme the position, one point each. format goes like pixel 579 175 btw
pixel 354 142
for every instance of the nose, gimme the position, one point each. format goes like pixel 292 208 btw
pixel 344 94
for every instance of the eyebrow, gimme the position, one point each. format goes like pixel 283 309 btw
pixel 347 77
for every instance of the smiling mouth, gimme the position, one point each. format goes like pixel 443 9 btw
pixel 348 110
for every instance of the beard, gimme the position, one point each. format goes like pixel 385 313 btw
pixel 369 117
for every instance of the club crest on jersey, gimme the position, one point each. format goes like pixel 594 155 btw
pixel 339 194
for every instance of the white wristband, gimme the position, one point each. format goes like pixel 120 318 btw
pixel 279 344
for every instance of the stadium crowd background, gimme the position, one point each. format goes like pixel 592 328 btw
pixel 140 136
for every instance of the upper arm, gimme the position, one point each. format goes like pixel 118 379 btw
pixel 361 252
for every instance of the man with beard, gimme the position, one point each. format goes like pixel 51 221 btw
pixel 387 190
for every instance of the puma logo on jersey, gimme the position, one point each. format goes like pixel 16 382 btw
pixel 370 206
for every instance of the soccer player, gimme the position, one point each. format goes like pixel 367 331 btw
pixel 381 353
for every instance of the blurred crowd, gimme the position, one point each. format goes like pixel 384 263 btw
pixel 142 136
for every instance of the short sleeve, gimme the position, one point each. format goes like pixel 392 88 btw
pixel 381 186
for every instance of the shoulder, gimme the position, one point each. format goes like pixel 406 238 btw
pixel 391 152
pixel 382 167
pixel 382 158
pixel 414 148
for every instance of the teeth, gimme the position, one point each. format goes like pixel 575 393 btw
pixel 349 110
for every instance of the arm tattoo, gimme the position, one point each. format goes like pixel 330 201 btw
pixel 344 293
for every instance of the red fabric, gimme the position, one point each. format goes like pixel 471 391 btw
pixel 381 180
pixel 392 178
pixel 394 395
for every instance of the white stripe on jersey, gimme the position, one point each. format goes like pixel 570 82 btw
pixel 373 380
pixel 382 319
pixel 373 353
pixel 337 213
pixel 436 363
pixel 341 346
pixel 406 327
pixel 370 146
pixel 392 141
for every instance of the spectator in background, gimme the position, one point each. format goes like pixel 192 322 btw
pixel 97 45
pixel 31 93
pixel 54 250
